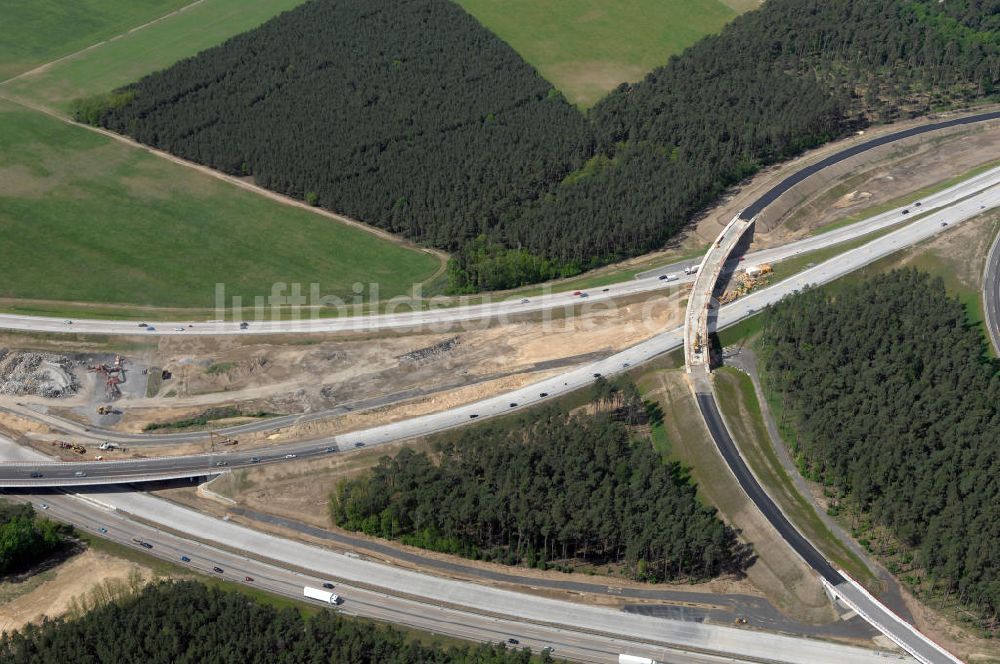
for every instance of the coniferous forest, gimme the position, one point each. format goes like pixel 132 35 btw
pixel 548 486
pixel 187 622
pixel 897 406
pixel 411 116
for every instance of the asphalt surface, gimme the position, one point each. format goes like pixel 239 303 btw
pixel 712 607
pixel 857 598
pixel 443 315
pixel 775 192
pixel 991 294
pixel 63 474
pixel 580 631
pixel 710 411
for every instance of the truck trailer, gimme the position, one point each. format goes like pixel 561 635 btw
pixel 321 595
pixel 632 659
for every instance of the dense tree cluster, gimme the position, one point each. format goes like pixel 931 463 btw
pixel 406 114
pixel 896 405
pixel 543 487
pixel 188 622
pixel 409 115
pixel 24 539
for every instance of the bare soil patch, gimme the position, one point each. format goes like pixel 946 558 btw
pixel 72 579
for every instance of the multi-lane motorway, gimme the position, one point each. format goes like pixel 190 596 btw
pixel 64 474
pixel 450 314
pixel 585 632
pixel 936 214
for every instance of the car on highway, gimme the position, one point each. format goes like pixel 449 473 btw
pixel 917 203
pixel 222 463
pixel 513 404
pixel 218 570
pixel 597 375
pixel 290 456
pixel 146 545
pixel 944 223
pixel 68 322
pixel 254 459
pixel 584 295
pixel 80 473
pixel 513 641
pixel 35 474
pixel 150 328
pixel 473 416
pixel 185 559
pixel 44 506
pixel 663 277
pixel 102 529
pixel 359 444
pixel 248 579
pixel 328 585
pixel 143 325
pixel 906 212
pixel 577 292
pixel 329 449
pixel 524 300
pixel 178 329
pixel 543 394
pixel 605 290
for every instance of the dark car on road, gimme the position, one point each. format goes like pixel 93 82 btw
pixel 146 545
pixel 218 570
pixel 328 585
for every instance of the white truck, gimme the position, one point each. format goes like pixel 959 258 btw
pixel 690 269
pixel 632 659
pixel 321 595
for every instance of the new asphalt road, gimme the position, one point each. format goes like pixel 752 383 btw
pixel 898 630
pixel 580 631
pixel 446 314
pixel 65 474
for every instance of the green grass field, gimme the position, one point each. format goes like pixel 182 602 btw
pixel 40 31
pixel 85 218
pixel 136 54
pixel 587 47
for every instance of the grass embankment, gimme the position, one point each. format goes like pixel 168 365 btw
pixel 682 436
pixel 202 419
pixel 138 53
pixel 905 199
pixel 741 409
pixel 85 218
pixel 587 47
pixel 40 31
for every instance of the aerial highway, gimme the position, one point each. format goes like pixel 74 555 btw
pixel 65 474
pixel 937 213
pixel 580 631
pixel 446 311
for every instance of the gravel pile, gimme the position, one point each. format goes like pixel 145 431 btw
pixel 36 374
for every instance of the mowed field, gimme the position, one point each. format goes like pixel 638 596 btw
pixel 39 31
pixel 588 47
pixel 92 220
pixel 86 218
pixel 135 54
